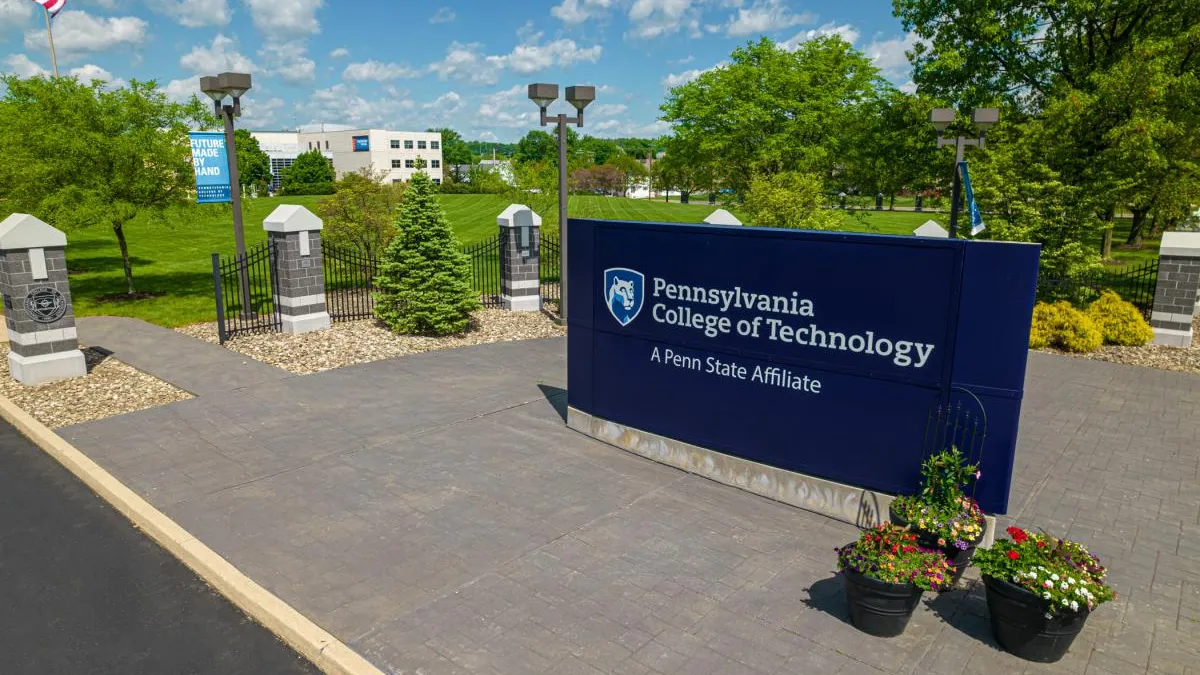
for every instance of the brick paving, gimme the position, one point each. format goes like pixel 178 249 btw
pixel 434 512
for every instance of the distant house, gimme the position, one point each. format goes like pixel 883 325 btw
pixel 501 166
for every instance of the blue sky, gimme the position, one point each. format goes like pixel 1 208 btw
pixel 413 65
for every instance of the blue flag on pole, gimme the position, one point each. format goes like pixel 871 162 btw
pixel 211 162
pixel 977 225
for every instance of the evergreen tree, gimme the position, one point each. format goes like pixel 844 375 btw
pixel 424 279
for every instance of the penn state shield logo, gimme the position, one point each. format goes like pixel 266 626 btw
pixel 623 291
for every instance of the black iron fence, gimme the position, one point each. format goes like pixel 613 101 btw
pixel 246 292
pixel 1135 284
pixel 550 272
pixel 349 282
pixel 485 270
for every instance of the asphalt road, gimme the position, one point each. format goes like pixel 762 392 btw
pixel 84 593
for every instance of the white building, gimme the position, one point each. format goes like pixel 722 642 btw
pixel 393 154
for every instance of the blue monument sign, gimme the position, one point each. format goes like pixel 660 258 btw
pixel 211 162
pixel 818 353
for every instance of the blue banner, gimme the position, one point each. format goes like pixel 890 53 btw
pixel 977 225
pixel 211 162
pixel 820 353
pixel 362 143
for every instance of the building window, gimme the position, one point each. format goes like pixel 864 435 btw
pixel 408 164
pixel 397 180
pixel 420 145
pixel 310 145
pixel 326 144
pixel 395 144
pixel 435 163
pixel 435 145
pixel 408 145
pixel 396 164
pixel 437 181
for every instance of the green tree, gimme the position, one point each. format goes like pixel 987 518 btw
pixel 362 212
pixel 891 149
pixel 790 199
pixel 455 150
pixel 632 170
pixel 254 165
pixel 597 150
pixel 536 146
pixel 424 280
pixel 771 110
pixel 310 169
pixel 81 155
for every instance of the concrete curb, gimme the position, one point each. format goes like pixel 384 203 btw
pixel 325 651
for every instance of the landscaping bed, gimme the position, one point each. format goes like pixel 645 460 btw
pixel 351 342
pixel 1150 356
pixel 110 388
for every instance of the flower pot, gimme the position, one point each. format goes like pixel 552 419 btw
pixel 878 607
pixel 960 559
pixel 1020 625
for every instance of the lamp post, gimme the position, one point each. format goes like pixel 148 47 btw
pixel 218 88
pixel 941 118
pixel 543 95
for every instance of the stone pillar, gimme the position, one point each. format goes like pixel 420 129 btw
pixel 520 248
pixel 1175 298
pixel 37 302
pixel 299 270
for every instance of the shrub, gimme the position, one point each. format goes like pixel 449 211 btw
pixel 424 279
pixel 1119 321
pixel 890 554
pixel 362 213
pixel 1062 326
pixel 308 189
pixel 1066 577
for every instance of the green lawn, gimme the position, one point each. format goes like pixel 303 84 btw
pixel 172 256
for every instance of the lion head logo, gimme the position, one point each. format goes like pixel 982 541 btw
pixel 623 291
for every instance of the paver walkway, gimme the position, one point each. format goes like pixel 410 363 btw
pixel 83 592
pixel 434 512
pixel 190 364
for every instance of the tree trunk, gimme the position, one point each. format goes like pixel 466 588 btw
pixel 892 202
pixel 120 230
pixel 684 196
pixel 1135 231
pixel 1106 244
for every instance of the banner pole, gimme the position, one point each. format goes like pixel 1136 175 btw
pixel 50 36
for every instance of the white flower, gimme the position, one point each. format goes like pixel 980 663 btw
pixel 1049 615
pixel 1048 584
pixel 1071 580
pixel 1016 578
pixel 1046 595
pixel 1074 606
pixel 1054 577
pixel 1063 586
pixel 1066 602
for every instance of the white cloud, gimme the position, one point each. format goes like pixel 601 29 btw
pixel 909 87
pixel 890 58
pixel 847 32
pixel 467 62
pixel 357 111
pixel 77 32
pixel 509 108
pixel 281 20
pixel 377 71
pixel 489 137
pixel 89 72
pixel 676 79
pixel 23 66
pixel 654 18
pixel 607 109
pixel 289 61
pixel 14 13
pixel 443 15
pixel 339 53
pixel 764 16
pixel 194 13
pixel 181 91
pixel 684 61
pixel 446 104
pixel 258 114
pixel 220 57
pixel 573 12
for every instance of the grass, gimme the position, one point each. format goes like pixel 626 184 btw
pixel 172 257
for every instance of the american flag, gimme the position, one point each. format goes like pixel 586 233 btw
pixel 52 6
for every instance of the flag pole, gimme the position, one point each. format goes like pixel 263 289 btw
pixel 50 35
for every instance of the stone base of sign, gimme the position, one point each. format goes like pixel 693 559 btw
pixel 305 323
pixel 34 370
pixel 857 506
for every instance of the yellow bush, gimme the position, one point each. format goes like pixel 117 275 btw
pixel 1119 321
pixel 1062 326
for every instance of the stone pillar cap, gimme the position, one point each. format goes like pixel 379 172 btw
pixel 292 218
pixel 21 231
pixel 505 219
pixel 722 217
pixel 1182 244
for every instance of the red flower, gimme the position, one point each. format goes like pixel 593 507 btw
pixel 1018 535
pixel 1014 555
pixel 1041 544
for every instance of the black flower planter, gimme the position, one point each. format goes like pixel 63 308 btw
pixel 878 607
pixel 1020 625
pixel 960 559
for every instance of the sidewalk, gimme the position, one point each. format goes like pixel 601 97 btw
pixel 434 512
pixel 192 365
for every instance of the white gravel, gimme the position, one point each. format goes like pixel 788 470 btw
pixel 110 388
pixel 351 342
pixel 1185 360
